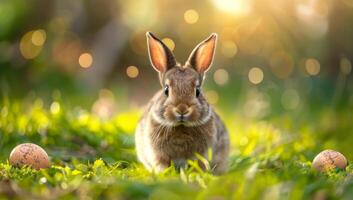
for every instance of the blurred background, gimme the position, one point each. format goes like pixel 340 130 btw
pixel 75 74
pixel 272 56
pixel 289 58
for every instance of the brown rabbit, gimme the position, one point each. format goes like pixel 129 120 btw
pixel 178 122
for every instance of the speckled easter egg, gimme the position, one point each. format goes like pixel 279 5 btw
pixel 329 159
pixel 30 155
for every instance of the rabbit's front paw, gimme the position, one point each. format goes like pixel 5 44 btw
pixel 160 167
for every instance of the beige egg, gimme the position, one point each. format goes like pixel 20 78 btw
pixel 329 159
pixel 30 155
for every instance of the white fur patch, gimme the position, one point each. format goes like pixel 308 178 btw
pixel 160 120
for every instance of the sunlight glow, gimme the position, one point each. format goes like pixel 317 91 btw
pixel 236 7
pixel 313 15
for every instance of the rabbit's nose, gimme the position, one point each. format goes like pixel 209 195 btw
pixel 181 109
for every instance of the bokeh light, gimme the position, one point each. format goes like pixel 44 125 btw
pixel 132 71
pixel 85 60
pixel 39 37
pixel 191 16
pixel 55 108
pixel 105 106
pixel 290 99
pixel 139 14
pixel 313 16
pixel 256 104
pixel 169 42
pixel 229 48
pixel 243 141
pixel 256 75
pixel 31 43
pixel 58 24
pixel 312 66
pixel 221 77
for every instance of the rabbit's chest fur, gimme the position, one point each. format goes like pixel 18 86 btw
pixel 182 142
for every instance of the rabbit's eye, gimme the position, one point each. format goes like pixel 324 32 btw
pixel 198 92
pixel 166 90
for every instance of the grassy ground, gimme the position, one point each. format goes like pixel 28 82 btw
pixel 91 158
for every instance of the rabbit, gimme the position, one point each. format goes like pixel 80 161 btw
pixel 178 122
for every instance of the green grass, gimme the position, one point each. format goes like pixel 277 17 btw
pixel 94 158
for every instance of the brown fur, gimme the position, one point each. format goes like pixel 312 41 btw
pixel 162 137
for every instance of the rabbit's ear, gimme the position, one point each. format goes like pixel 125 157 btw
pixel 202 56
pixel 161 57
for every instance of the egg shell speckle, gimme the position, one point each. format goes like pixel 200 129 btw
pixel 329 159
pixel 30 155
